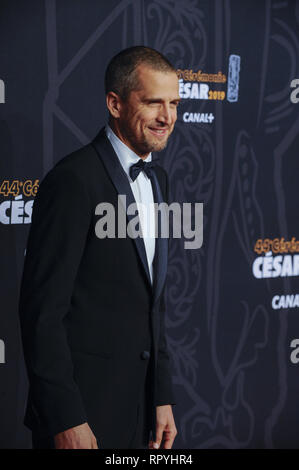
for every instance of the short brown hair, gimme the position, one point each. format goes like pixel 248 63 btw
pixel 120 76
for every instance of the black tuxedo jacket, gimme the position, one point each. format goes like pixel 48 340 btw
pixel 88 311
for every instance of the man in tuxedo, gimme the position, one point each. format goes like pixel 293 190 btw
pixel 92 307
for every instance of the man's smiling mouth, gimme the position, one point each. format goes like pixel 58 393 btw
pixel 158 131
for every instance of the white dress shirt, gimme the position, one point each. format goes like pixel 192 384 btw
pixel 142 191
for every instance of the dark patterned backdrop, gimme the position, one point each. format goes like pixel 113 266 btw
pixel 232 310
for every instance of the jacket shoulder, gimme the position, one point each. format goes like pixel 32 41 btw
pixel 79 165
pixel 79 160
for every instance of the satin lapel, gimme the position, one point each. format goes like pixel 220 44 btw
pixel 122 185
pixel 161 256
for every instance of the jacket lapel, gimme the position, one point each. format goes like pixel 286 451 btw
pixel 122 185
pixel 161 254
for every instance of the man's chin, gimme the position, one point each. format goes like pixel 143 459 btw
pixel 152 146
pixel 158 146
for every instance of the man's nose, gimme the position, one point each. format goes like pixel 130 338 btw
pixel 165 114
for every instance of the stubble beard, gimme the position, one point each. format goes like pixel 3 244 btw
pixel 146 145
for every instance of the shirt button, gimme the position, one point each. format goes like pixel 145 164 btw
pixel 145 355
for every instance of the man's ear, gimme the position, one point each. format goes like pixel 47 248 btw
pixel 113 102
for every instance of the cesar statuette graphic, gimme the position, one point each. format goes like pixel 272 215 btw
pixel 2 352
pixel 2 92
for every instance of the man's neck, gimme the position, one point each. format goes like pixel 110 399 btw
pixel 118 134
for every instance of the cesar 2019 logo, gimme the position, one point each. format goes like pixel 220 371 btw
pixel 294 97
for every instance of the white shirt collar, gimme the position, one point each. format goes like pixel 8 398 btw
pixel 126 156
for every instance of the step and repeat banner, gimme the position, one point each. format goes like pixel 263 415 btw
pixel 233 304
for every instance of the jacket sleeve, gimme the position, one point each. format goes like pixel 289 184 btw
pixel 164 390
pixel 164 387
pixel 60 222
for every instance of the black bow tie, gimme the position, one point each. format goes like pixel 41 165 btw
pixel 136 168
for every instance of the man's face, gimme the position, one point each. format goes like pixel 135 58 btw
pixel 147 117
